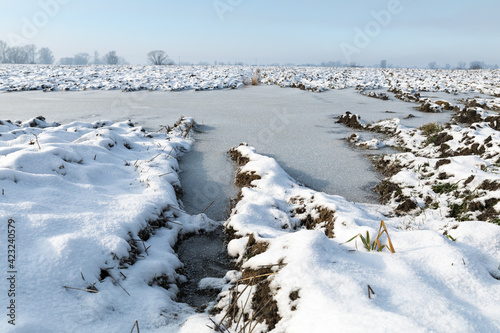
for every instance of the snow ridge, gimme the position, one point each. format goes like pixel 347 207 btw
pixel 315 281
pixel 96 209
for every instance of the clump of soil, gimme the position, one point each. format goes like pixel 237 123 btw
pixel 379 95
pixel 429 107
pixel 353 138
pixel 468 116
pixel 161 281
pixel 318 216
pixel 350 120
pixel 387 167
pixel 474 103
pixel 406 206
pixel 470 179
pixel 103 274
pixel 132 253
pixel 443 161
pixel 486 209
pixel 474 149
pixel 230 233
pixel 444 175
pixel 264 303
pixel 254 276
pixel 489 185
pixel 494 122
pixel 324 218
pixel 237 157
pixel 387 189
pixel 244 179
pixel 294 295
pixel 255 248
pixel 439 139
pixel 445 105
pixel 405 96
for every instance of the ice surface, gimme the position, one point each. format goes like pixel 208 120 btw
pixel 293 126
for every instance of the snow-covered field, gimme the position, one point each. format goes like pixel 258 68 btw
pixel 176 78
pixel 95 209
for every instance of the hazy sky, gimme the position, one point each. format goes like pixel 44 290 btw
pixel 405 32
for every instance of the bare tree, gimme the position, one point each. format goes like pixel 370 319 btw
pixel 461 65
pixel 45 56
pixel 3 51
pixel 477 65
pixel 81 59
pixel 97 58
pixel 30 51
pixel 157 57
pixel 111 58
pixel 433 65
pixel 67 61
pixel 17 55
pixel 383 64
pixel 122 61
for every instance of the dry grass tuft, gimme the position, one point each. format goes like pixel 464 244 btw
pixel 255 81
pixel 430 129
pixel 376 245
pixel 251 305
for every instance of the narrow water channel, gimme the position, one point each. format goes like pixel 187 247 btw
pixel 203 256
pixel 205 190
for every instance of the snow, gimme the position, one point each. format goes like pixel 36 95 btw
pixel 177 78
pixel 79 200
pixel 96 203
pixel 431 283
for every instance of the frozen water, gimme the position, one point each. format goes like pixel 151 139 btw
pixel 203 255
pixel 293 126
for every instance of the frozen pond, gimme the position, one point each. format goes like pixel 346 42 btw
pixel 293 126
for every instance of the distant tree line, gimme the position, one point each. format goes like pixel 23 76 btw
pixel 431 65
pixel 27 54
pixel 462 65
pixel 30 54
pixel 82 59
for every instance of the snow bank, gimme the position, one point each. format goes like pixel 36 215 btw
pixel 298 274
pixel 95 208
pixel 448 171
